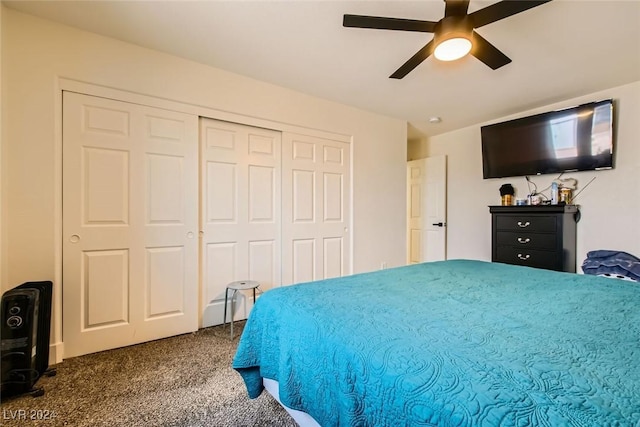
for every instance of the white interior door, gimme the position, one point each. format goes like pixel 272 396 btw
pixel 129 223
pixel 426 209
pixel 240 212
pixel 415 177
pixel 316 182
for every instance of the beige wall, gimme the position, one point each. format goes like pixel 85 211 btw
pixel 417 149
pixel 610 205
pixel 37 53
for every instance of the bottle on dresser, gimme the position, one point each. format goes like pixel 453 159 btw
pixel 554 193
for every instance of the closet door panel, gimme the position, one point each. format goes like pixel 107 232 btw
pixel 240 213
pixel 315 215
pixel 129 223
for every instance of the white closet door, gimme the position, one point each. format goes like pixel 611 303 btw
pixel 315 217
pixel 240 212
pixel 129 223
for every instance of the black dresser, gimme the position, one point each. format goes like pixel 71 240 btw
pixel 535 236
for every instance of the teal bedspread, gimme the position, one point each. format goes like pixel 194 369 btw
pixel 452 343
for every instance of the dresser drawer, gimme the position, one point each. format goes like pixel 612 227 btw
pixel 530 257
pixel 537 223
pixel 527 240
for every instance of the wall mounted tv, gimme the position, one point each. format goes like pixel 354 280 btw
pixel 574 139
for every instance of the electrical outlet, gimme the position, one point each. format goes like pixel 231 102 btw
pixel 383 265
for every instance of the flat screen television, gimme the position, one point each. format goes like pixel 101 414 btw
pixel 574 139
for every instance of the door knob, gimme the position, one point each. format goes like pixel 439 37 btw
pixel 439 224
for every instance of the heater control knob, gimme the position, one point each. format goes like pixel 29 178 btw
pixel 14 322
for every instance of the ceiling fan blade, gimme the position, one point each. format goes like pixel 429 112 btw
pixel 501 10
pixel 414 61
pixel 381 23
pixel 488 53
pixel 456 7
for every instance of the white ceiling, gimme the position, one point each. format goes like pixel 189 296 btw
pixel 559 50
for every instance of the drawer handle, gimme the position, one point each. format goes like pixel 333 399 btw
pixel 523 224
pixel 523 240
pixel 524 257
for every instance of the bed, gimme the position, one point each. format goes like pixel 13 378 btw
pixel 451 343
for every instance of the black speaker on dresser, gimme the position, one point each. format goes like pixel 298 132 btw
pixel 25 329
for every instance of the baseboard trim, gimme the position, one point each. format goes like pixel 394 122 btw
pixel 56 351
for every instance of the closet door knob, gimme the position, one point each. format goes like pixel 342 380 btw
pixel 74 238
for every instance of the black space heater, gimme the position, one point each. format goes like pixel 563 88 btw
pixel 26 324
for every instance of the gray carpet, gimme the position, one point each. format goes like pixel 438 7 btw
pixel 180 381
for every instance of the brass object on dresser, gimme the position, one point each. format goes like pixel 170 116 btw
pixel 541 236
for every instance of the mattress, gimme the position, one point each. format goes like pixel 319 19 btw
pixel 452 343
pixel 301 418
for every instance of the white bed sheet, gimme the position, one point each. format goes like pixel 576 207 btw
pixel 302 418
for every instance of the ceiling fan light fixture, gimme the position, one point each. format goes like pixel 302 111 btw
pixel 452 49
pixel 452 38
pixel 454 35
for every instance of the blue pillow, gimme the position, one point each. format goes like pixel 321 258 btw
pixel 612 263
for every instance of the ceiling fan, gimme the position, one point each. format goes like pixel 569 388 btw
pixel 454 35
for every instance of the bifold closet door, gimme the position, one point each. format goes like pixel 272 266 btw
pixel 315 214
pixel 240 212
pixel 130 218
